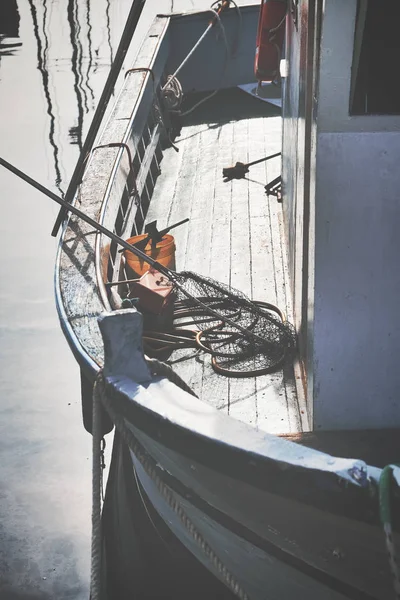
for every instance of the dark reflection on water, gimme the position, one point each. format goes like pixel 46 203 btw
pixel 42 42
pixel 109 30
pixel 80 57
pixel 75 132
pixel 90 59
pixel 9 27
pixel 9 18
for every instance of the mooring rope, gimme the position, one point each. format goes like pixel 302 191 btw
pixel 149 466
pixel 96 541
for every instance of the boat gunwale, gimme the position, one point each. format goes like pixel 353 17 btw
pixel 89 366
pixel 128 132
pixel 241 452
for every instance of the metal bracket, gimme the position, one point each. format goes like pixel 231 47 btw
pixel 134 193
pixel 274 188
pixel 140 70
pixel 117 145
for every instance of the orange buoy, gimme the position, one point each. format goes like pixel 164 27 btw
pixel 270 35
pixel 163 252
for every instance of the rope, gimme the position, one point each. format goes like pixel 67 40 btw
pixel 96 541
pixel 385 482
pixel 211 340
pixel 151 469
pixel 172 94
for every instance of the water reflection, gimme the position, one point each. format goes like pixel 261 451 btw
pixel 108 24
pixel 45 469
pixel 73 44
pixel 75 132
pixel 42 43
pixel 9 18
pixel 90 53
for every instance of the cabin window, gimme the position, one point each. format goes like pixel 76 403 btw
pixel 375 88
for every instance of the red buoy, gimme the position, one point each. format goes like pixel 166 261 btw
pixel 270 34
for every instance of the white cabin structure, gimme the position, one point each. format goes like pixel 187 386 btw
pixel 341 199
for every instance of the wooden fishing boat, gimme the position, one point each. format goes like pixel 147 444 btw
pixel 266 486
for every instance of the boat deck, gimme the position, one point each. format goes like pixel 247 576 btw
pixel 235 235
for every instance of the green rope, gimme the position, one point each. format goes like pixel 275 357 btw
pixel 385 511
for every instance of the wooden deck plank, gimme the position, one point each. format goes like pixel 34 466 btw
pixel 242 392
pixel 214 386
pixel 200 243
pixel 177 194
pixel 163 196
pixel 271 392
pixel 181 205
pixel 199 231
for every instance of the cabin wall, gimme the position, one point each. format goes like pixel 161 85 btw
pixel 357 245
pixel 208 68
pixel 290 157
pixel 299 136
pixel 357 281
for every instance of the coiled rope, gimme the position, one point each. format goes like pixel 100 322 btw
pixel 212 340
pixel 149 466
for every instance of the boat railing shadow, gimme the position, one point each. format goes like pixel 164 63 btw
pixel 231 104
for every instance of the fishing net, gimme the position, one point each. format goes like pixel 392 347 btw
pixel 245 338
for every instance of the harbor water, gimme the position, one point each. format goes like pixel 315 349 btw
pixel 55 56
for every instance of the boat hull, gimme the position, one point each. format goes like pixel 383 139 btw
pixel 142 557
pixel 202 530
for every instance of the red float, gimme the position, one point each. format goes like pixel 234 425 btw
pixel 270 35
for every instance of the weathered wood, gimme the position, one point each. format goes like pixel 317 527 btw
pixel 242 393
pixel 310 511
pixel 234 236
pixel 217 387
pixel 175 203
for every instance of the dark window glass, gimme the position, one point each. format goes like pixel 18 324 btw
pixel 375 85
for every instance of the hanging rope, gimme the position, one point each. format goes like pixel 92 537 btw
pixel 150 467
pixel 96 541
